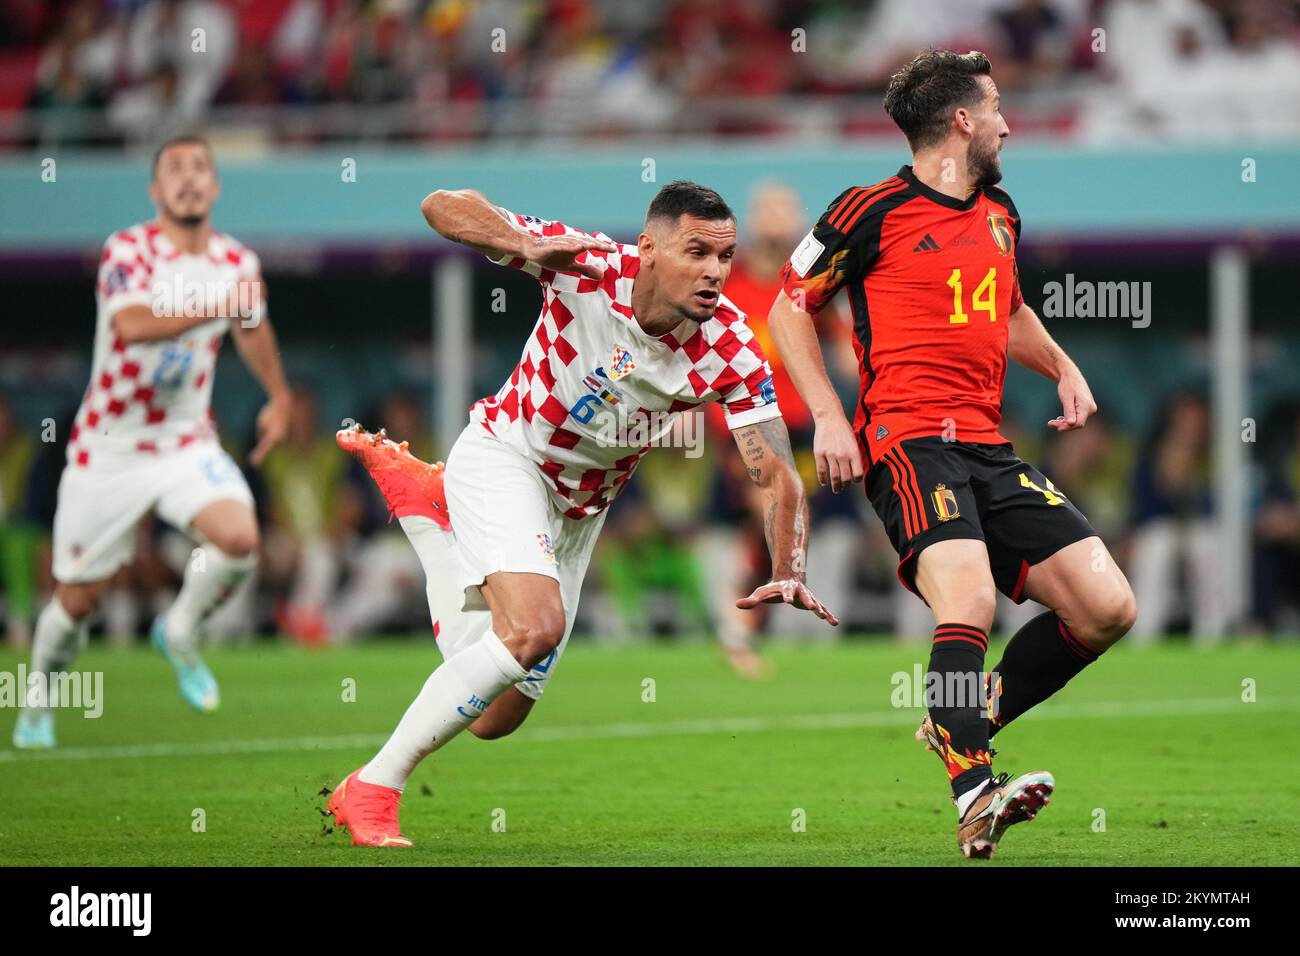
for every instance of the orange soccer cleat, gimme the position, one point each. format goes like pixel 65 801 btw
pixel 409 486
pixel 368 810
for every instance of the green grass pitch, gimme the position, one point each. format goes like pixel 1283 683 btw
pixel 1155 743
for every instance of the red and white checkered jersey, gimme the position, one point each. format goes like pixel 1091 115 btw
pixel 148 398
pixel 593 392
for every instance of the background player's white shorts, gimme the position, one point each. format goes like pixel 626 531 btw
pixel 100 504
pixel 505 518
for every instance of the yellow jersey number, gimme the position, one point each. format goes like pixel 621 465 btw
pixel 1053 496
pixel 985 297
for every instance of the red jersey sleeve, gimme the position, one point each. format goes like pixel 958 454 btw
pixel 841 248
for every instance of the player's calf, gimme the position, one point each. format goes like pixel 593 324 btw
pixel 505 715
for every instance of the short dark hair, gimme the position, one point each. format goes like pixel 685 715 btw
pixel 921 96
pixel 177 141
pixel 684 198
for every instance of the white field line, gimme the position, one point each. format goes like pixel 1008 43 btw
pixel 1130 709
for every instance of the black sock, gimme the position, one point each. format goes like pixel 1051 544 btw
pixel 955 698
pixel 1040 659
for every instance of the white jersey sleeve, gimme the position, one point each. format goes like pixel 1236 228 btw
pixel 125 273
pixel 745 388
pixel 543 228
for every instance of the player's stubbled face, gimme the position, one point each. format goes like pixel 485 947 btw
pixel 693 263
pixel 185 183
pixel 982 160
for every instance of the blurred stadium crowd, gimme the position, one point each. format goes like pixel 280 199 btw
pixel 113 72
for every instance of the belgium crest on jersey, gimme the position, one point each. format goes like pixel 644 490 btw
pixel 945 503
pixel 1002 234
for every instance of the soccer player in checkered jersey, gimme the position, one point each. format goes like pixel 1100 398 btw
pixel 927 258
pixel 624 331
pixel 143 440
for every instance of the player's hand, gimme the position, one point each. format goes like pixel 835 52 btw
pixel 272 426
pixel 839 460
pixel 1077 403
pixel 794 593
pixel 559 253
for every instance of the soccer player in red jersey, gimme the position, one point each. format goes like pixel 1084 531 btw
pixel 928 259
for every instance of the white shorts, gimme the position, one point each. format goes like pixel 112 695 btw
pixel 505 518
pixel 101 504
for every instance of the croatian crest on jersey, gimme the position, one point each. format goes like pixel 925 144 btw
pixel 1003 234
pixel 547 546
pixel 621 364
pixel 118 279
pixel 945 503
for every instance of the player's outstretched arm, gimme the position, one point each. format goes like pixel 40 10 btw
pixel 765 447
pixel 145 323
pixel 137 323
pixel 839 461
pixel 1029 344
pixel 468 217
pixel 256 342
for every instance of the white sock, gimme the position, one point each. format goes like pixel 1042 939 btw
pixel 55 645
pixel 434 547
pixel 966 799
pixel 210 577
pixel 454 696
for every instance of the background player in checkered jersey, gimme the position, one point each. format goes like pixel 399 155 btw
pixel 167 292
pixel 625 332
pixel 927 258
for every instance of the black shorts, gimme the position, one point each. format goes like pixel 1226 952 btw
pixel 927 490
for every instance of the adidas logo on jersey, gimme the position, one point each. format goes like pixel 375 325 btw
pixel 927 244
pixel 881 432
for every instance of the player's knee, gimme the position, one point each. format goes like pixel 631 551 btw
pixel 80 600
pixel 237 541
pixel 537 635
pixel 1110 617
pixel 975 607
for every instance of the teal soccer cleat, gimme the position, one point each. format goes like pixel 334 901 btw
pixel 34 730
pixel 198 686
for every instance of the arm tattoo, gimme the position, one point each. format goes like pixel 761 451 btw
pixel 765 448
pixel 756 441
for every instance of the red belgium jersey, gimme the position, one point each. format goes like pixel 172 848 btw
pixel 932 282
